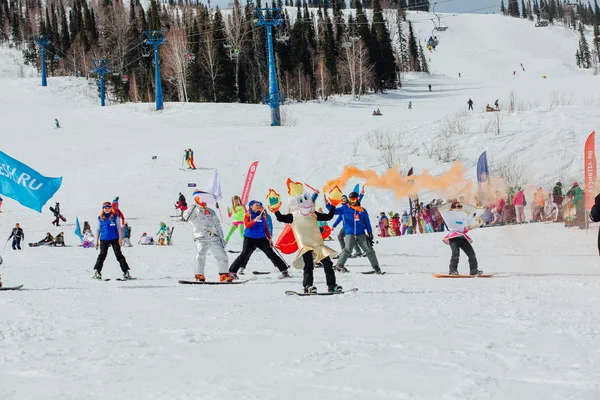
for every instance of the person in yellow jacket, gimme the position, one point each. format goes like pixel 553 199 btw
pixel 236 213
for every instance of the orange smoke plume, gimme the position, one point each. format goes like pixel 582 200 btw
pixel 452 182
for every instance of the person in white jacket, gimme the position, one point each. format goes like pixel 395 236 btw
pixel 208 234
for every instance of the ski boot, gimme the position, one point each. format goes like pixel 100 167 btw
pixel 200 278
pixel 284 274
pixel 126 275
pixel 341 268
pixel 377 270
pixel 310 289
pixel 476 272
pixel 335 289
pixel 241 271
pixel 228 277
pixel 453 272
pixel 98 275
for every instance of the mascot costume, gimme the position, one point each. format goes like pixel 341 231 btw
pixel 303 221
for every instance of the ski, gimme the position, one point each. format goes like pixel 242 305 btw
pixel 11 287
pixel 462 276
pixel 234 251
pixel 123 279
pixel 372 273
pixel 213 282
pixel 291 292
pixel 102 280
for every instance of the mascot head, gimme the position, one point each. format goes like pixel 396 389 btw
pixel 300 200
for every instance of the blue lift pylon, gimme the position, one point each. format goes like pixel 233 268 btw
pixel 270 17
pixel 101 68
pixel 156 38
pixel 42 41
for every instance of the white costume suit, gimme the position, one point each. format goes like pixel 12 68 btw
pixel 207 234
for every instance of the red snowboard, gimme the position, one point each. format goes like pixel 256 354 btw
pixel 286 242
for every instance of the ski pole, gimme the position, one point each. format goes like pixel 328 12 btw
pixel 5 244
pixel 280 256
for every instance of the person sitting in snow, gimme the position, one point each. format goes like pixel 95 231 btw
pixel 146 240
pixel 47 241
pixel 59 240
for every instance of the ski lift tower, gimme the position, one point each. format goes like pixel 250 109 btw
pixel 101 69
pixel 270 17
pixel 156 38
pixel 439 26
pixel 42 41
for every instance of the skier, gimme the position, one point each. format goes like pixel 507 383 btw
pixel 430 88
pixel 1 204
pixel 303 220
pixel 146 240
pixel 16 235
pixel 187 158
pixel 459 75
pixel 384 225
pixel 519 202
pixel 497 104
pixel 470 103
pixel 577 196
pixel 256 235
pixel 126 235
pixel 56 124
pixel 557 199
pixel 410 105
pixel 191 158
pixel 109 234
pixel 356 222
pixel 236 212
pixel 117 210
pixel 56 212
pixel 342 233
pixel 457 222
pixel 181 204
pixel 207 235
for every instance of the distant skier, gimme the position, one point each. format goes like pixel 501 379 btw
pixel 117 210
pixel 109 234
pixel 126 235
pixel 208 234
pixel 191 156
pixel 410 105
pixel 430 88
pixel 56 123
pixel 459 75
pixel 497 104
pixel 181 204
pixel 470 103
pixel 17 235
pixel 457 239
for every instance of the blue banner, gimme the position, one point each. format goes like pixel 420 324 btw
pixel 483 171
pixel 24 184
pixel 78 229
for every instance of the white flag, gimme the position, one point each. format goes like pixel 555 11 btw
pixel 214 186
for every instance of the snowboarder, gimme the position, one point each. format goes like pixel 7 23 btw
pixel 56 123
pixel 17 234
pixel 146 240
pixel 56 212
pixel 127 235
pixel 256 235
pixel 207 235
pixel 191 156
pixel 46 241
pixel 470 103
pixel 430 88
pixel 304 222
pixel 1 204
pixel 356 223
pixel 236 213
pixel 59 240
pixel 109 234
pixel 458 225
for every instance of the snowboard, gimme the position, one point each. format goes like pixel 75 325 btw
pixel 63 219
pixel 291 292
pixel 11 287
pixel 213 282
pixel 123 280
pixel 260 272
pixel 463 276
pixel 102 280
pixel 371 273
pixel 234 251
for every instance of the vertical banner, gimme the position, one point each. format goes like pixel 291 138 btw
pixel 589 157
pixel 248 182
pixel 483 171
pixel 24 184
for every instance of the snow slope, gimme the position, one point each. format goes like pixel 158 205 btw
pixel 531 332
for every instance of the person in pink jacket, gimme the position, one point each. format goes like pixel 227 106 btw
pixel 519 203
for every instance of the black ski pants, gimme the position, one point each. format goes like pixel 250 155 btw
pixel 456 245
pixel 56 221
pixel 251 244
pixel 16 243
pixel 309 267
pixel 104 245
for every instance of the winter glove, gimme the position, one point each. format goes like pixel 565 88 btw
pixel 370 236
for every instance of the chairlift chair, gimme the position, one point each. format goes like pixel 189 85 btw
pixel 439 27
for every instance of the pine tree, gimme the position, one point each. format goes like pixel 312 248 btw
pixel 523 9
pixel 413 49
pixel 502 8
pixel 402 43
pixel 385 63
pixel 423 58
pixel 596 41
pixel 529 11
pixel 584 50
pixel 578 58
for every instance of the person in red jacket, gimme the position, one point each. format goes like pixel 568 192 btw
pixel 118 212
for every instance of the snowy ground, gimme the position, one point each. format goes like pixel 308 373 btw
pixel 531 332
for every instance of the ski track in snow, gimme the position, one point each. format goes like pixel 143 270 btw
pixel 531 332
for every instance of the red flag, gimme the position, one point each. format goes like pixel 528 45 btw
pixel 589 158
pixel 248 182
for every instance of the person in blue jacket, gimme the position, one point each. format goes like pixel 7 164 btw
pixel 357 228
pixel 109 234
pixel 342 233
pixel 256 236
